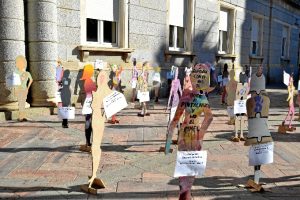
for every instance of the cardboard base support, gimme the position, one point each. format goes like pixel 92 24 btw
pixel 254 187
pixel 85 148
pixel 97 184
pixel 284 128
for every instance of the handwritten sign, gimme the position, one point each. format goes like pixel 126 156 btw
pixel 87 109
pixel 225 81
pixel 156 77
pixel 261 154
pixel 190 163
pixel 99 64
pixel 144 96
pixel 58 97
pixel 200 76
pixel 220 79
pixel 286 78
pixel 240 107
pixel 113 103
pixel 66 112
pixel 13 80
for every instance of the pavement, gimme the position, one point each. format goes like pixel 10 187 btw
pixel 41 160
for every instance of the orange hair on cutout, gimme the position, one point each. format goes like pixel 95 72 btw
pixel 88 71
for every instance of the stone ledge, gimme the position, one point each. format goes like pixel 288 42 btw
pixel 169 54
pixel 85 51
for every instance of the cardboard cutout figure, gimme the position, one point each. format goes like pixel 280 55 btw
pixel 134 79
pixel 240 118
pixel 194 103
pixel 257 112
pixel 290 116
pixel 98 119
pixel 174 97
pixel 116 86
pixel 65 93
pixel 231 92
pixel 143 87
pixel 89 87
pixel 187 85
pixel 156 82
pixel 298 97
pixel 21 90
pixel 225 80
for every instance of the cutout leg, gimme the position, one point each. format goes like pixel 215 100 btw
pixel 256 174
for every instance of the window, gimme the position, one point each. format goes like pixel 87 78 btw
pixel 177 21
pixel 224 31
pixel 256 35
pixel 102 22
pixel 285 42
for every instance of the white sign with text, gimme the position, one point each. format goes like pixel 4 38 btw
pixel 113 103
pixel 87 109
pixel 144 96
pixel 58 97
pixel 220 79
pixel 261 154
pixel 240 107
pixel 66 112
pixel 286 78
pixel 13 80
pixel 190 163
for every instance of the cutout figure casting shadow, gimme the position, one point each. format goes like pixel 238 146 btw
pixel 66 94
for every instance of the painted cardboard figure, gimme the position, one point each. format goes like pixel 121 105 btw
pixel 187 85
pixel 231 91
pixel 193 104
pixel 156 82
pixel 174 97
pixel 89 87
pixel 290 100
pixel 134 78
pixel 65 94
pixel 298 97
pixel 21 91
pixel 258 112
pixel 225 80
pixel 240 119
pixel 116 85
pixel 143 87
pixel 59 74
pixel 98 120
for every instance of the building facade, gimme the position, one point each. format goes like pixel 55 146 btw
pixel 164 32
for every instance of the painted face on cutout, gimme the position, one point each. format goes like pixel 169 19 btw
pixel 21 63
pixel 200 77
pixel 114 68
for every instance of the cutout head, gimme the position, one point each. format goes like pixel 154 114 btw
pixel 259 71
pixel 200 77
pixel 101 79
pixel 232 74
pixel 114 67
pixel 88 72
pixel 188 71
pixel 21 63
pixel 258 82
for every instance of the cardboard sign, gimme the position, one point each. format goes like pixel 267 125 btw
pixel 261 154
pixel 144 96
pixel 220 78
pixel 58 97
pixel 133 84
pixel 240 106
pixel 201 76
pixel 170 75
pixel 13 80
pixel 286 78
pixel 156 77
pixel 225 81
pixel 113 103
pixel 138 94
pixel 190 163
pixel 66 112
pixel 99 64
pixel 87 109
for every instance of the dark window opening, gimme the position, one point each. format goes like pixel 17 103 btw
pixel 92 30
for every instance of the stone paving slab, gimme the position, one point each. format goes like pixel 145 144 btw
pixel 41 160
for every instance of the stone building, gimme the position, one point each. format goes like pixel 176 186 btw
pixel 164 32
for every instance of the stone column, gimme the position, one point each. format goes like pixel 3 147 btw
pixel 42 41
pixel 12 36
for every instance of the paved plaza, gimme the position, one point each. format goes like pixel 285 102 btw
pixel 41 160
